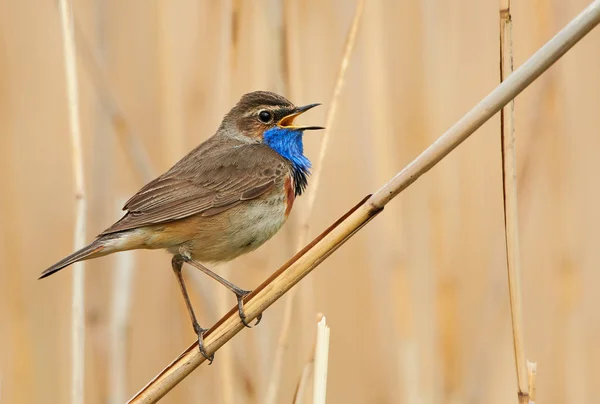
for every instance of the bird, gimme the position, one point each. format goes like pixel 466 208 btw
pixel 225 198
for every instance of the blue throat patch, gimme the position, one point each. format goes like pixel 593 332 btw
pixel 288 143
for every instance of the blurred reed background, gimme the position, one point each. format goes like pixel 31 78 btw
pixel 417 302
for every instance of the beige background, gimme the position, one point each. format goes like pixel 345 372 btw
pixel 417 302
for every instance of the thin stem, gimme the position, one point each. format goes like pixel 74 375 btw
pixel 282 344
pixel 331 239
pixel 511 222
pixel 321 362
pixel 331 112
pixel 78 296
pixel 531 375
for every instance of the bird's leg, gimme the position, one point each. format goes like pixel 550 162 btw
pixel 177 263
pixel 239 293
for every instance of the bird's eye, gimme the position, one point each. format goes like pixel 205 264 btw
pixel 265 116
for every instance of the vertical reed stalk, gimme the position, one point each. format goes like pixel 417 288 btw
pixel 78 296
pixel 321 362
pixel 511 222
pixel 532 373
pixel 282 343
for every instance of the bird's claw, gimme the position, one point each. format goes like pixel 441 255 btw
pixel 200 333
pixel 203 352
pixel 240 299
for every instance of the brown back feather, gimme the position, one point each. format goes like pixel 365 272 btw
pixel 217 175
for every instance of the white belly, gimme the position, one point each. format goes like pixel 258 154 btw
pixel 259 222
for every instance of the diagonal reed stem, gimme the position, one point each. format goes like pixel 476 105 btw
pixel 331 239
pixel 78 295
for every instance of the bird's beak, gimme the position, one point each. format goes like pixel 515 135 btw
pixel 288 121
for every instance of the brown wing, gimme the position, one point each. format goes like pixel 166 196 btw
pixel 206 181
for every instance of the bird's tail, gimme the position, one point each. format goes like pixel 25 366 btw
pixel 92 250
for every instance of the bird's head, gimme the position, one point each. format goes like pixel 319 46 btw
pixel 265 117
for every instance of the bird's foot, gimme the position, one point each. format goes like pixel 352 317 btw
pixel 240 299
pixel 200 333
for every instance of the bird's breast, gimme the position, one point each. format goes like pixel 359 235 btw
pixel 242 228
pixel 258 220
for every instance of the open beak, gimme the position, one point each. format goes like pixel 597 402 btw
pixel 288 121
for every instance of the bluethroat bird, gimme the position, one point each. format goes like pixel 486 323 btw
pixel 225 198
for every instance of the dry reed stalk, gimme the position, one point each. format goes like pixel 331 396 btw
pixel 78 297
pixel 321 363
pixel 331 113
pixel 291 54
pixel 331 239
pixel 531 374
pixel 511 222
pixel 282 343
